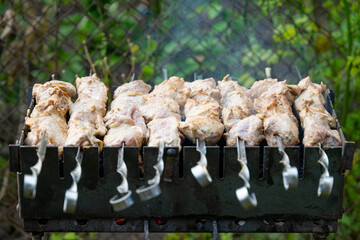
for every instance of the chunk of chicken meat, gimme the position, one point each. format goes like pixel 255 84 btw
pixel 164 130
pixel 318 125
pixel 124 131
pixel 58 92
pixel 160 108
pixel 46 118
pixel 44 91
pixel 316 130
pixel 87 117
pixel 283 125
pixel 279 96
pixel 236 106
pixel 227 86
pixel 90 104
pixel 271 104
pixel 86 124
pixel 249 129
pixel 208 129
pixel 116 115
pixel 202 105
pixel 311 95
pixel 92 87
pixel 203 86
pixel 171 88
pixel 134 88
pixel 259 87
pixel 124 98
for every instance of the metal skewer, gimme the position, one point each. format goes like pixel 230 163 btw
pixel 122 200
pixel 30 180
pixel 326 181
pixel 165 74
pixel 247 200
pixel 289 174
pixel 71 195
pixel 153 190
pixel 200 172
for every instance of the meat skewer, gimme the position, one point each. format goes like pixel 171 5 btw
pixel 162 114
pixel 247 200
pixel 236 115
pixel 47 124
pixel 126 127
pixel 202 125
pixel 280 125
pixel 317 124
pixel 86 126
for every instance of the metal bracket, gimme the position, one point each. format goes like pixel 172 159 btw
pixel 348 155
pixel 14 150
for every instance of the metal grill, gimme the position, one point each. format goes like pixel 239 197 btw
pixel 183 205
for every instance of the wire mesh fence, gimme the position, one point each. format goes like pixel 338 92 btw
pixel 118 38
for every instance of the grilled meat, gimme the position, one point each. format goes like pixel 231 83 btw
pixel 164 130
pixel 275 103
pixel 53 101
pixel 249 129
pixel 318 125
pixel 86 124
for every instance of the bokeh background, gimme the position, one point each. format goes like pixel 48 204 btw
pixel 210 38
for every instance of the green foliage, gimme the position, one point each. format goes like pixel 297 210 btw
pixel 321 38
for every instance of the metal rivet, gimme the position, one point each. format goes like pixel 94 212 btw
pixel 171 152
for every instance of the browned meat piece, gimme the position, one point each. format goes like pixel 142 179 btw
pixel 89 104
pixel 58 92
pixel 157 107
pixel 134 88
pixel 249 129
pixel 45 117
pixel 53 101
pixel 42 92
pixel 164 130
pixel 202 105
pixel 125 121
pixel 259 87
pixel 116 115
pixel 92 87
pixel 172 88
pixel 311 95
pixel 208 129
pixel 283 125
pixel 318 125
pixel 279 97
pixel 124 131
pixel 205 87
pixel 226 86
pixel 277 103
pixel 236 105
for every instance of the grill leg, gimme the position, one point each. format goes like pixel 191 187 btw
pixel 319 236
pixel 37 235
